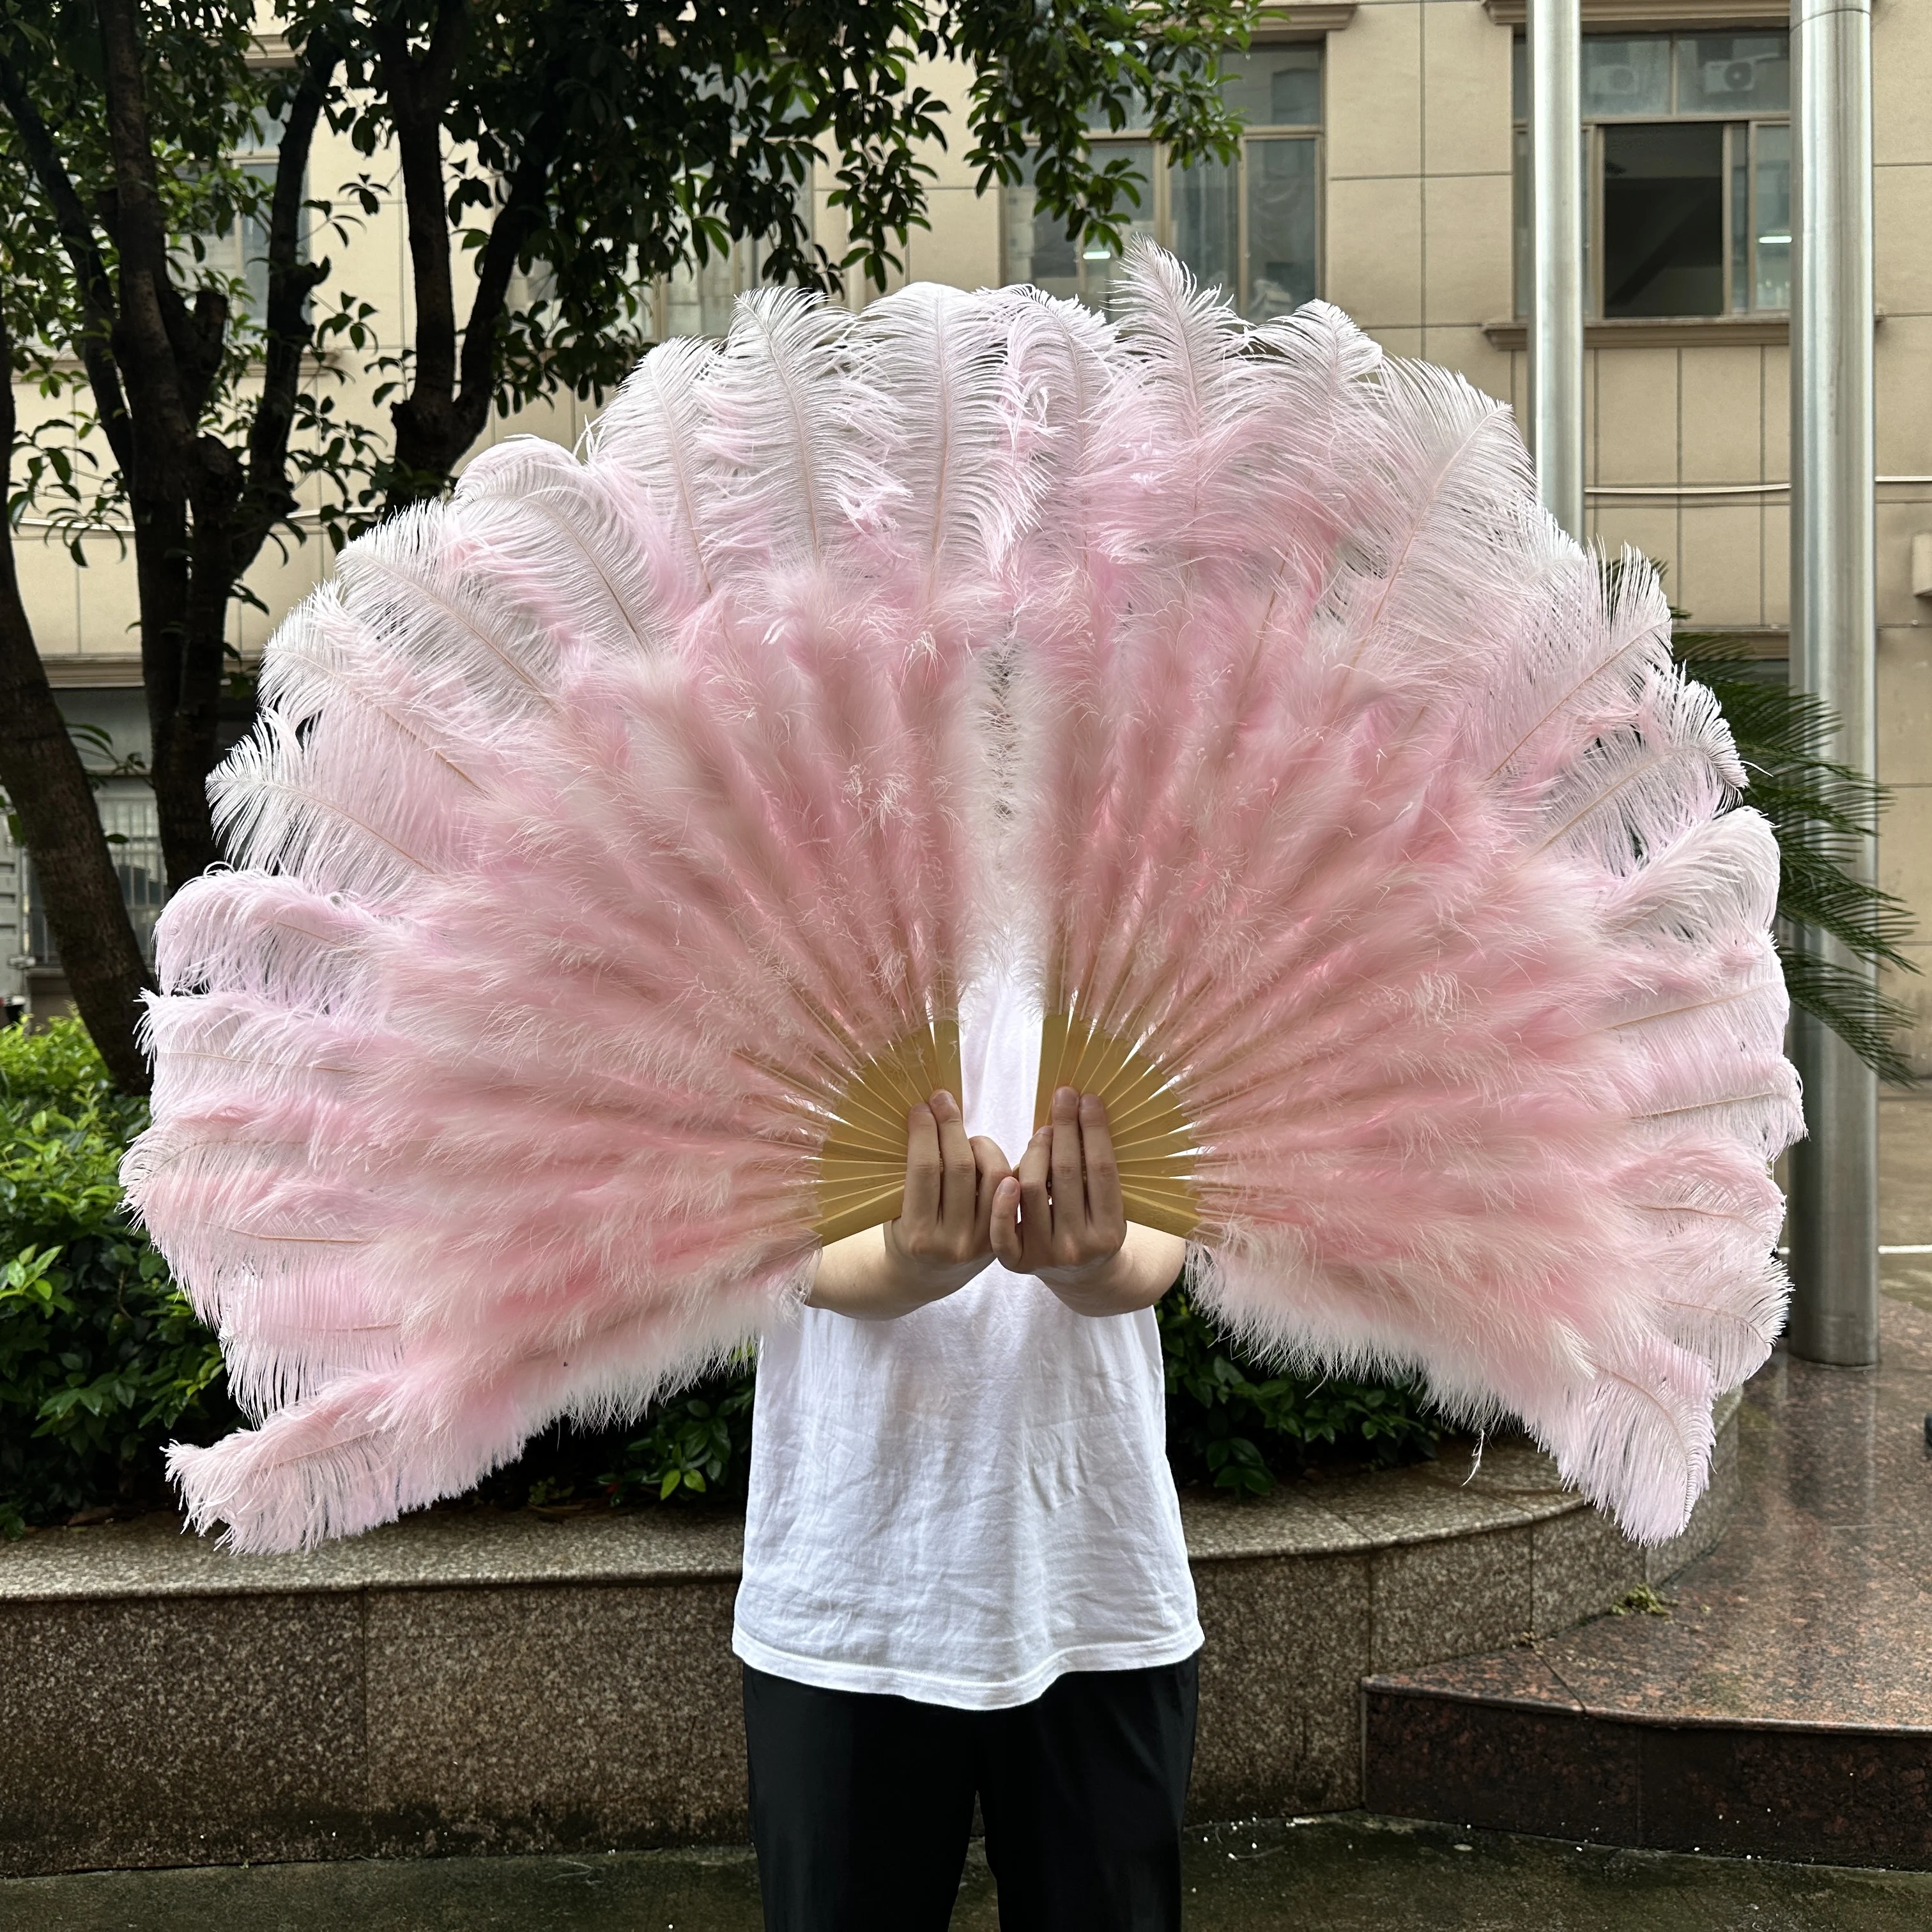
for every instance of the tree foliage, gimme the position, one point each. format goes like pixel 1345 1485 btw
pixel 552 156
pixel 1238 1424
pixel 574 149
pixel 101 1358
pixel 1825 815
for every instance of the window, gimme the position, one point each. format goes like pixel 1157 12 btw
pixel 1252 227
pixel 1687 174
pixel 698 301
pixel 133 836
pixel 242 251
pixel 695 300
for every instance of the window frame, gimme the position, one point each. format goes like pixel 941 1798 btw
pixel 129 818
pixel 1733 123
pixel 1157 209
pixel 228 253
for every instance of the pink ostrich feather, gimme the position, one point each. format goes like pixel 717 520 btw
pixel 1350 798
pixel 599 825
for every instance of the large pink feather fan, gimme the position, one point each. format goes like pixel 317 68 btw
pixel 618 837
pixel 1383 878
pixel 600 826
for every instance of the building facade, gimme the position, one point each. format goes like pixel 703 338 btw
pixel 1381 168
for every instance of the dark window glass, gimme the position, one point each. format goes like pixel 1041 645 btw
pixel 1206 219
pixel 1281 227
pixel 1038 250
pixel 1620 76
pixel 1275 87
pixel 1774 216
pixel 1695 212
pixel 1663 219
pixel 1626 77
pixel 1251 226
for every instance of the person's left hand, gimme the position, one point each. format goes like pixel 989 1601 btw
pixel 1060 1216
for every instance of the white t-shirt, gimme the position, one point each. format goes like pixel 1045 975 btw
pixel 960 1505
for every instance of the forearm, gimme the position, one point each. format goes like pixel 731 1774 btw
pixel 867 1277
pixel 1144 1266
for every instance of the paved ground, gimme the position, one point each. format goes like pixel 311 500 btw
pixel 1350 1873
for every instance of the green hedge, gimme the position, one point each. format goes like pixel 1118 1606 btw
pixel 102 1361
pixel 1235 1424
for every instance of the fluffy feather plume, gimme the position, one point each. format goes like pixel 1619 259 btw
pixel 605 825
pixel 1381 883
pixel 601 827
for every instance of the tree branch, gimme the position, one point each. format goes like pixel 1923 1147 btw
pixel 47 787
pixel 517 220
pixel 83 253
pixel 158 343
pixel 169 357
pixel 418 93
pixel 286 329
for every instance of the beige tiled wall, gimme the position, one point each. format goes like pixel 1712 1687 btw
pixel 1418 250
pixel 1419 181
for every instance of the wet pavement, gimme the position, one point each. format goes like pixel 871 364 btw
pixel 1812 1612
pixel 1777 1702
pixel 1348 1872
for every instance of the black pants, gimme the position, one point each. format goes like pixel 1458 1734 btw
pixel 862 1805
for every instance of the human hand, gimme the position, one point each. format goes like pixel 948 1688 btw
pixel 1061 1217
pixel 941 1239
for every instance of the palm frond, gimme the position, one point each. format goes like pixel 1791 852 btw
pixel 1822 812
pixel 1853 1008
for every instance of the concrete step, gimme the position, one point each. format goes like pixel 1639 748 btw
pixel 1776 1703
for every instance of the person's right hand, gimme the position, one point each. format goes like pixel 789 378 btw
pixel 941 1239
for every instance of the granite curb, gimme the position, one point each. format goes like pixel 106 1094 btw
pixel 478 1681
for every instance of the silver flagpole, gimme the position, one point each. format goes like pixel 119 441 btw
pixel 1556 258
pixel 1834 633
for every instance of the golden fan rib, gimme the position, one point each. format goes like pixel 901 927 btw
pixel 859 1168
pixel 1153 1143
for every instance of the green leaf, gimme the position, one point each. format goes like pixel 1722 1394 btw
pixel 1824 815
pixel 101 1359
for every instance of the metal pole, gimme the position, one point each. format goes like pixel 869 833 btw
pixel 1834 633
pixel 1556 257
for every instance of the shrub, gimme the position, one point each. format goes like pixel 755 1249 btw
pixel 698 1443
pixel 56 1067
pixel 694 1447
pixel 1232 1423
pixel 101 1359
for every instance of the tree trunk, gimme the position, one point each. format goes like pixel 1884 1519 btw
pixel 181 708
pixel 169 354
pixel 47 786
pixel 200 512
pixel 452 383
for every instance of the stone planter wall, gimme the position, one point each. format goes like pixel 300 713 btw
pixel 472 1680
